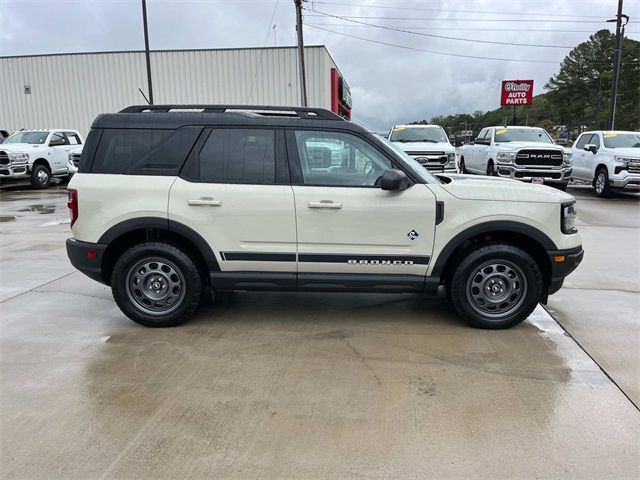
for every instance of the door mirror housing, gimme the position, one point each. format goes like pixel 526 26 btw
pixel 590 147
pixel 394 180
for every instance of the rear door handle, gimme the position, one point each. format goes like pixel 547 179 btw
pixel 206 202
pixel 325 204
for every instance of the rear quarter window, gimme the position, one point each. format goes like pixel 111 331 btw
pixel 142 151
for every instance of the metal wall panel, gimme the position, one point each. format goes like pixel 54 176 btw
pixel 69 91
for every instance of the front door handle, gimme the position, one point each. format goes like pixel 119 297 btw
pixel 206 202
pixel 325 204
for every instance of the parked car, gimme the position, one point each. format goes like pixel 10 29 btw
pixel 38 155
pixel 522 153
pixel 427 144
pixel 608 160
pixel 228 200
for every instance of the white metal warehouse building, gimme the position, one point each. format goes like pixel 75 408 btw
pixel 70 90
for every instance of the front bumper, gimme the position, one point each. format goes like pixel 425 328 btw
pixel 629 182
pixel 563 262
pixel 15 170
pixel 87 257
pixel 526 174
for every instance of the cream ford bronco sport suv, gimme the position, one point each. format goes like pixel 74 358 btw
pixel 173 201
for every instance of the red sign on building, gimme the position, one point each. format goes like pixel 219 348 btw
pixel 516 92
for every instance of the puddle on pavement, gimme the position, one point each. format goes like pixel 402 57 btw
pixel 7 218
pixel 42 209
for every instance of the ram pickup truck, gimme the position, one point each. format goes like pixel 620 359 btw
pixel 38 155
pixel 608 161
pixel 427 144
pixel 523 153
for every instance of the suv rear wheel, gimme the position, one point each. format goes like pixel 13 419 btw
pixel 156 285
pixel 496 286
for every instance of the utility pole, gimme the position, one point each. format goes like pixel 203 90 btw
pixel 146 50
pixel 617 57
pixel 303 80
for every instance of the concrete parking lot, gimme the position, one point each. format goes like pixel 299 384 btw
pixel 315 386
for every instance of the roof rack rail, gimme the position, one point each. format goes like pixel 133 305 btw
pixel 300 112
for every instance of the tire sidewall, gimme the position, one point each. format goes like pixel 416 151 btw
pixel 188 269
pixel 605 189
pixel 468 266
pixel 34 177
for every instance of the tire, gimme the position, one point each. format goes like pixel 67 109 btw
pixel 513 274
pixel 40 176
pixel 601 183
pixel 560 186
pixel 491 170
pixel 462 168
pixel 177 281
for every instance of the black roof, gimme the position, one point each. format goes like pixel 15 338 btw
pixel 176 116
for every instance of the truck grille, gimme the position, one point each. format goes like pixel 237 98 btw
pixel 4 158
pixel 433 161
pixel 634 166
pixel 539 158
pixel 75 158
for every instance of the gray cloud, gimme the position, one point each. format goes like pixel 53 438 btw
pixel 389 85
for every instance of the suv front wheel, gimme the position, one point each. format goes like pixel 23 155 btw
pixel 496 286
pixel 156 285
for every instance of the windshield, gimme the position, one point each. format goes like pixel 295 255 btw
pixel 418 134
pixel 35 138
pixel 622 140
pixel 411 163
pixel 536 135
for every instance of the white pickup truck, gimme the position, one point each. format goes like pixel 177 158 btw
pixel 607 160
pixel 38 155
pixel 427 144
pixel 522 153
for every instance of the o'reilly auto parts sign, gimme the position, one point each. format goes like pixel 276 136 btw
pixel 516 92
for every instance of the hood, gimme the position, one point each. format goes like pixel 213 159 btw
pixel 519 145
pixel 425 147
pixel 473 187
pixel 626 152
pixel 18 147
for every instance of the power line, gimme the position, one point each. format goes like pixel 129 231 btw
pixel 455 11
pixel 373 17
pixel 432 51
pixel 466 29
pixel 411 32
pixel 266 39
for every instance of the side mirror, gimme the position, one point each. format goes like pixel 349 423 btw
pixel 394 180
pixel 590 147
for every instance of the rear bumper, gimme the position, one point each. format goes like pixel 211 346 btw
pixel 563 262
pixel 86 257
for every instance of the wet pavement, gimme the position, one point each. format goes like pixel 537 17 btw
pixel 315 386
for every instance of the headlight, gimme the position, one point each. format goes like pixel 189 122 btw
pixel 568 218
pixel 506 157
pixel 19 157
pixel 567 157
pixel 451 156
pixel 623 160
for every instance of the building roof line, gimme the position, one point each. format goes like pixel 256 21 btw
pixel 159 51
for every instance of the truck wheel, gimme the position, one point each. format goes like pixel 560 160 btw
pixel 601 183
pixel 40 176
pixel 156 285
pixel 462 167
pixel 496 286
pixel 491 170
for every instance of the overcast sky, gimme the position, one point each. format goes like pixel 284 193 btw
pixel 389 84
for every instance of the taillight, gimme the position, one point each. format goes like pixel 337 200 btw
pixel 72 204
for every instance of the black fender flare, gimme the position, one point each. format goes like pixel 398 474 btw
pixel 489 227
pixel 153 223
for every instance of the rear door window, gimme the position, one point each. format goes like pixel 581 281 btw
pixel 235 155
